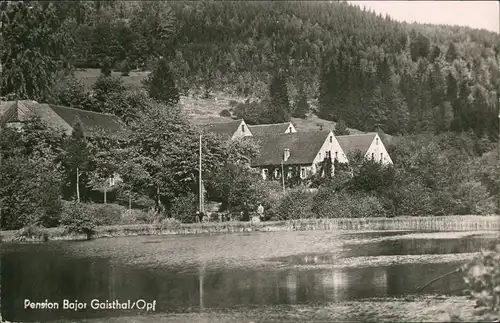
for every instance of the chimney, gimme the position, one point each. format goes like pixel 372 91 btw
pixel 286 154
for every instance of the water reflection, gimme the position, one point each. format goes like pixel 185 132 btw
pixel 417 247
pixel 39 272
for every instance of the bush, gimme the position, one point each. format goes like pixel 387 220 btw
pixel 169 224
pixel 124 67
pixel 252 112
pixel 330 204
pixel 77 220
pixel 184 208
pixel 106 214
pixel 31 232
pixel 483 280
pixel 296 204
pixel 225 113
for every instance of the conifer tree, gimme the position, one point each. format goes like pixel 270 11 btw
pixel 341 129
pixel 280 110
pixel 32 45
pixel 160 84
pixel 301 106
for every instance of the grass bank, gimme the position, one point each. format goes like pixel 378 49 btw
pixel 438 223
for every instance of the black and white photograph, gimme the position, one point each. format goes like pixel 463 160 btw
pixel 249 161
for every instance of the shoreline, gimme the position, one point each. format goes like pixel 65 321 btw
pixel 417 224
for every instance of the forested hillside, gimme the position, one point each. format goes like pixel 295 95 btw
pixel 363 68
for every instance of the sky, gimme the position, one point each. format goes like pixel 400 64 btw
pixel 474 14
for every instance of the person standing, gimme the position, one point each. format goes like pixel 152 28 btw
pixel 260 211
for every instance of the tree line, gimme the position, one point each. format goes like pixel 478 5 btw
pixel 360 67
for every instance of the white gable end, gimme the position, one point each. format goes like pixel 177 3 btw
pixel 378 152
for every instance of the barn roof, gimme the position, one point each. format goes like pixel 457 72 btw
pixel 226 129
pixel 262 130
pixel 303 147
pixel 92 122
pixel 359 142
pixel 64 118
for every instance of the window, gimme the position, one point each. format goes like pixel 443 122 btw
pixel 242 128
pixel 373 156
pixel 381 156
pixel 302 172
pixel 290 130
pixel 276 174
pixel 328 154
pixel 319 156
pixel 331 139
pixel 336 155
pixel 265 171
pixel 112 181
pixel 376 141
pixel 289 175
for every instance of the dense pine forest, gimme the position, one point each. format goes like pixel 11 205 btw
pixel 363 68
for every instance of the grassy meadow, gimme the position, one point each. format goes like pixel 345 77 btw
pixel 202 110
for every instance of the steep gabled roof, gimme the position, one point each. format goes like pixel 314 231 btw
pixel 227 129
pixel 274 129
pixel 353 143
pixel 303 146
pixel 4 106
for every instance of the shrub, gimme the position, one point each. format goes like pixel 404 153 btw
pixel 169 224
pixel 483 280
pixel 225 113
pixel 253 112
pixel 106 214
pixel 124 67
pixel 330 204
pixel 296 204
pixel 184 208
pixel 77 220
pixel 473 198
pixel 31 232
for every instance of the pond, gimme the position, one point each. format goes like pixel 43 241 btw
pixel 203 272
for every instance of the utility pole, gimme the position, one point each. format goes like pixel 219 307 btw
pixel 78 185
pixel 200 183
pixel 283 177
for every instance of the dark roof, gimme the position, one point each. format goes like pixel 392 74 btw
pixel 64 118
pixel 262 130
pixel 353 143
pixel 223 128
pixel 303 146
pixel 93 122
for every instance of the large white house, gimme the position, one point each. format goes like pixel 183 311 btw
pixel 300 153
